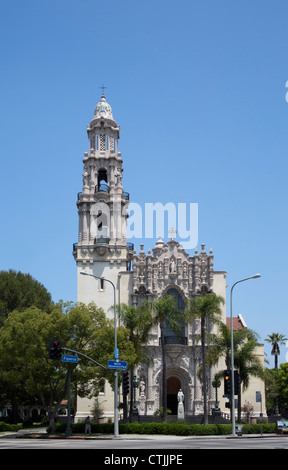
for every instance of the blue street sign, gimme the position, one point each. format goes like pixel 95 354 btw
pixel 117 365
pixel 66 358
pixel 116 355
pixel 258 397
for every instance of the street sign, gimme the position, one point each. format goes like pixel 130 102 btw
pixel 116 355
pixel 117 365
pixel 66 358
pixel 258 397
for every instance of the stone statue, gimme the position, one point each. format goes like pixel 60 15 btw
pixel 180 398
pixel 173 267
pixel 142 388
pixel 142 397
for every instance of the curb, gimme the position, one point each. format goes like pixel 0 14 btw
pixel 133 436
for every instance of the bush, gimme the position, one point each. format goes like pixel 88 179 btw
pixel 9 427
pixel 256 428
pixel 79 428
pixel 176 429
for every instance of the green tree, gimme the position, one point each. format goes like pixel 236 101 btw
pixel 248 364
pixel 273 397
pixel 24 339
pixel 164 311
pixel 207 309
pixel 276 339
pixel 221 344
pixel 20 291
pixel 138 321
pixel 24 357
pixel 282 388
pixel 245 359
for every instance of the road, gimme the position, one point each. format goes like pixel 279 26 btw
pixel 167 444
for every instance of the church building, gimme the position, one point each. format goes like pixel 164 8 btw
pixel 102 251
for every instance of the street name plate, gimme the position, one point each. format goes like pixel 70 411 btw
pixel 66 358
pixel 117 365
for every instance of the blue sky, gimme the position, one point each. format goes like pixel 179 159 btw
pixel 198 89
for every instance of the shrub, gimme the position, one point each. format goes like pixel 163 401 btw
pixel 176 429
pixel 256 428
pixel 9 427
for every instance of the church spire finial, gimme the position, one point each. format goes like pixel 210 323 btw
pixel 103 88
pixel 173 232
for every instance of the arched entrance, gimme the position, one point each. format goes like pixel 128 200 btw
pixel 173 386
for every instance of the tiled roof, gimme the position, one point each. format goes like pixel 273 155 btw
pixel 238 322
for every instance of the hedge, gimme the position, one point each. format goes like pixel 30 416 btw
pixel 9 427
pixel 175 429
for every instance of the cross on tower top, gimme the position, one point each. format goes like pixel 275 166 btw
pixel 173 232
pixel 103 87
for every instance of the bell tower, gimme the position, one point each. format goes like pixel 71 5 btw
pixel 102 249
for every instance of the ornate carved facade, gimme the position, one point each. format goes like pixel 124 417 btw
pixel 171 270
pixel 170 265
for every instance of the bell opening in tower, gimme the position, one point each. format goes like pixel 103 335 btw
pixel 102 181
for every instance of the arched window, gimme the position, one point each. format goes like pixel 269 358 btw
pixel 102 176
pixel 102 181
pixel 170 336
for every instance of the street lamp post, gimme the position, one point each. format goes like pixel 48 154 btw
pixel 116 423
pixel 232 353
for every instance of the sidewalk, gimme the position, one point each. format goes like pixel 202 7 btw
pixel 41 434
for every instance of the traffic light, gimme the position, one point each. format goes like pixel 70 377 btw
pixel 228 404
pixel 125 383
pixel 237 384
pixel 55 349
pixel 227 382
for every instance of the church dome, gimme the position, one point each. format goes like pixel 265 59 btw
pixel 103 109
pixel 158 246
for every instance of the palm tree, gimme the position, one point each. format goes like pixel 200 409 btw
pixel 276 339
pixel 221 344
pixel 247 363
pixel 164 312
pixel 245 359
pixel 208 309
pixel 138 321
